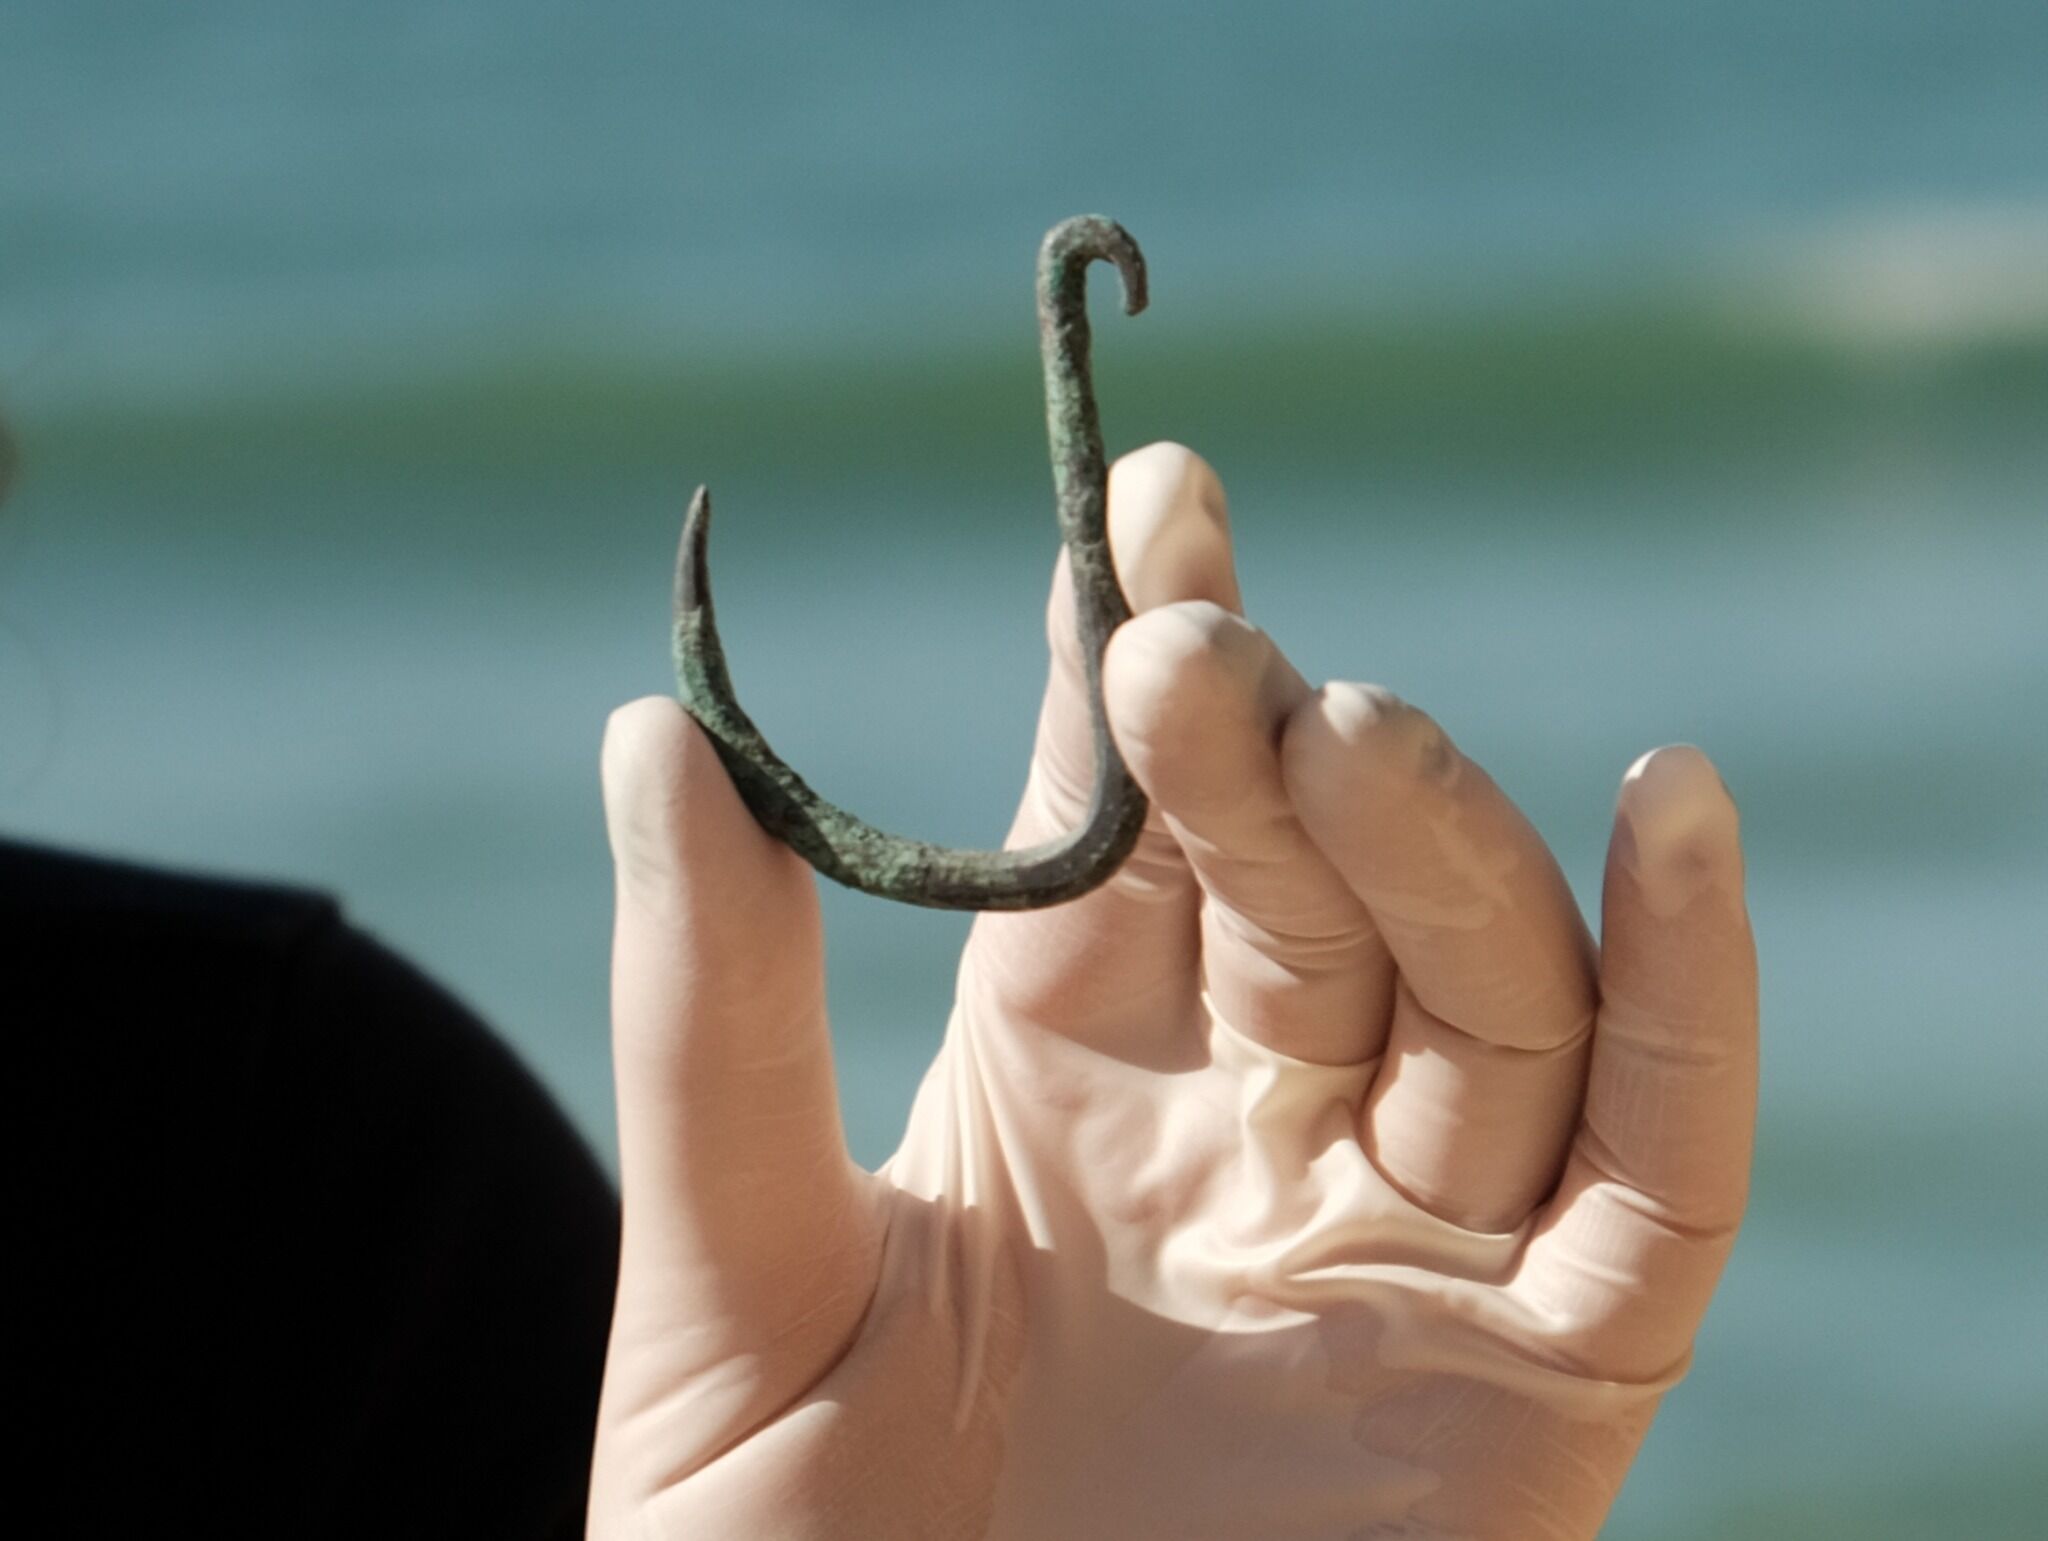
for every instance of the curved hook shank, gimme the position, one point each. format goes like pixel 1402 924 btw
pixel 848 849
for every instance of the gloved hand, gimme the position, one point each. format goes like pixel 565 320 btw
pixel 1317 1177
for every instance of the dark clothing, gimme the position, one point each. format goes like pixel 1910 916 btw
pixel 310 1253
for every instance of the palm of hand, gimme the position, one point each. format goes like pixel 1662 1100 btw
pixel 1304 1182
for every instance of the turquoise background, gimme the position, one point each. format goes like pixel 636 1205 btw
pixel 1595 375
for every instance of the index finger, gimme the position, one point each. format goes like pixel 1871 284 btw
pixel 1113 967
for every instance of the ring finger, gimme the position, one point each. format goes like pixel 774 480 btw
pixel 1486 1060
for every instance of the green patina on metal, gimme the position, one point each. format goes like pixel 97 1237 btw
pixel 848 849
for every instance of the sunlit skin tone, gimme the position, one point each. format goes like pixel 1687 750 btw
pixel 1317 1177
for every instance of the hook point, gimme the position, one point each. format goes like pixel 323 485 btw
pixel 693 579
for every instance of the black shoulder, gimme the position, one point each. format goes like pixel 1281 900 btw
pixel 295 1212
pixel 45 888
pixel 105 957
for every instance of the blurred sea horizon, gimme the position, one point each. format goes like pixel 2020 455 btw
pixel 1596 377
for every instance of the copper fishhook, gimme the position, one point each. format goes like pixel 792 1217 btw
pixel 848 849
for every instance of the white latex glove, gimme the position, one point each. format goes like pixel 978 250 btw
pixel 1317 1177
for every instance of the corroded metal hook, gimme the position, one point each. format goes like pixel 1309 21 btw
pixel 848 849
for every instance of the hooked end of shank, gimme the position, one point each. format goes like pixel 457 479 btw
pixel 1074 243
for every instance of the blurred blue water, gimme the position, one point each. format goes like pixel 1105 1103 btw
pixel 188 187
pixel 269 638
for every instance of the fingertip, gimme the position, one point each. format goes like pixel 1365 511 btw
pixel 1169 528
pixel 1181 678
pixel 644 742
pixel 1674 765
pixel 667 794
pixel 1350 736
pixel 1156 664
pixel 646 747
pixel 628 728
pixel 1175 647
pixel 1164 473
pixel 1677 831
pixel 1169 535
